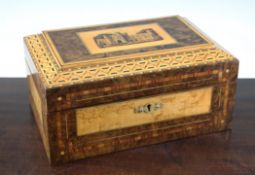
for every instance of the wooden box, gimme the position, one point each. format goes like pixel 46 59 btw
pixel 101 89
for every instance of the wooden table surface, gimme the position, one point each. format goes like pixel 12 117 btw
pixel 231 152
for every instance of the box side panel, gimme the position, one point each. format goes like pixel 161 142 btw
pixel 40 117
pixel 37 100
pixel 72 142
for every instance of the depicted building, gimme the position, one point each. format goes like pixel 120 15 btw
pixel 147 35
pixel 119 39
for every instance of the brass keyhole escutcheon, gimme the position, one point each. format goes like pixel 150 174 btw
pixel 148 108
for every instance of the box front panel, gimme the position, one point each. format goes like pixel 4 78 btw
pixel 179 109
pixel 112 127
pixel 177 112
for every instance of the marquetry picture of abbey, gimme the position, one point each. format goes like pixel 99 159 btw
pixel 123 38
pixel 132 38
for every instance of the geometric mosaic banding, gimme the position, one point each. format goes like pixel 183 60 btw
pixel 53 76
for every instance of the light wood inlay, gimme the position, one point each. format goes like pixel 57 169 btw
pixel 123 114
pixel 36 98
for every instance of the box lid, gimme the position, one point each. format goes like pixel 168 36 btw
pixel 101 64
pixel 80 55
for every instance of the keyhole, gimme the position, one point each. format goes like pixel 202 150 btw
pixel 149 107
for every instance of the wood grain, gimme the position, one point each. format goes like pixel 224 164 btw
pixel 122 114
pixel 231 152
